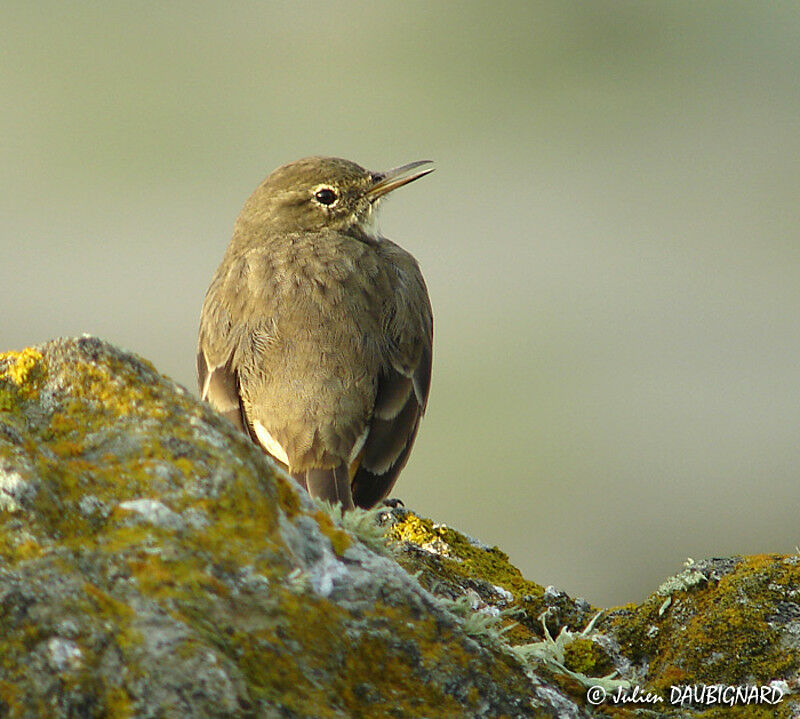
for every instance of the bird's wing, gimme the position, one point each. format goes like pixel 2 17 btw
pixel 219 386
pixel 217 375
pixel 402 392
pixel 233 315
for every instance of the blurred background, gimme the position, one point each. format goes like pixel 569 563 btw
pixel 610 238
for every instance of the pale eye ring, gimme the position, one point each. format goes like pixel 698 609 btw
pixel 326 196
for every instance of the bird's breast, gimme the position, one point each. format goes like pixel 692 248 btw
pixel 317 347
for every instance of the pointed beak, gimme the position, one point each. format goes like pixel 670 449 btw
pixel 392 179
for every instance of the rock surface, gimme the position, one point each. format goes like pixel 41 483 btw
pixel 154 563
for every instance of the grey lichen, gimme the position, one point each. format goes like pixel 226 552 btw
pixel 551 653
pixel 682 582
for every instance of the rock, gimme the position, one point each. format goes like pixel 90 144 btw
pixel 154 563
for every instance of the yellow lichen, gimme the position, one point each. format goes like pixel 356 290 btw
pixel 18 377
pixel 118 703
pixel 339 539
pixel 8 693
pixel 287 495
pixel 458 557
pixel 106 604
pixel 21 364
pixel 413 529
pixel 14 550
pixel 160 578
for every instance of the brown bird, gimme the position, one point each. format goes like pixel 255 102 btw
pixel 316 332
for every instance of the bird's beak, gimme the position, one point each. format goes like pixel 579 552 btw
pixel 392 179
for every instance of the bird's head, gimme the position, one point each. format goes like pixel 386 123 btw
pixel 318 193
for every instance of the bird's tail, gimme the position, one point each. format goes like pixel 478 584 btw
pixel 331 485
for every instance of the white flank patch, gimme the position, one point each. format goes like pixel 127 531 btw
pixel 270 444
pixel 358 446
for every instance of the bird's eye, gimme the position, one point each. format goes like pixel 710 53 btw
pixel 326 196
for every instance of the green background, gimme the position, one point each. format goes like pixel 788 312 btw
pixel 610 238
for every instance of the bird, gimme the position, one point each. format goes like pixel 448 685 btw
pixel 316 332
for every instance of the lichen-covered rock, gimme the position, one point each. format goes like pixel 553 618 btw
pixel 728 622
pixel 154 563
pixel 719 639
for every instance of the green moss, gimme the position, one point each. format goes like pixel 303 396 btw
pixel 744 712
pixel 413 529
pixel 718 633
pixel 583 655
pixel 7 398
pixel 461 557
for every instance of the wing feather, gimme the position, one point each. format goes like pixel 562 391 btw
pixel 219 386
pixel 398 410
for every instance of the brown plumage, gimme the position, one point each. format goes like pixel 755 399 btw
pixel 316 332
